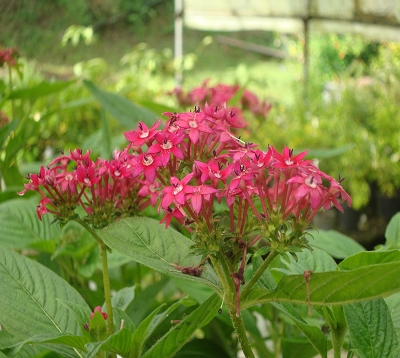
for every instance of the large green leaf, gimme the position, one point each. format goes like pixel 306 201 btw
pixel 371 329
pixel 317 261
pixel 171 342
pixel 20 227
pixel 28 296
pixel 125 111
pixel 332 288
pixel 7 340
pixel 146 241
pixel 393 303
pixel 334 243
pixel 42 89
pixel 64 339
pixel 313 333
pixel 369 258
pixel 123 298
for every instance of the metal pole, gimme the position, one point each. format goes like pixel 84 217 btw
pixel 178 42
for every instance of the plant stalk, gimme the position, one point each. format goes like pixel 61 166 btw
pixel 240 330
pixel 106 277
pixel 107 289
pixel 256 276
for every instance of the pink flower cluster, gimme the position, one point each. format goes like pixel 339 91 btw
pixel 9 56
pixel 105 189
pixel 183 168
pixel 223 168
pixel 221 94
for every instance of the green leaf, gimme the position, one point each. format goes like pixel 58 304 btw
pixel 125 111
pixel 123 298
pixel 33 287
pixel 317 261
pixel 20 226
pixel 119 343
pixel 334 243
pixel 392 233
pixel 266 280
pixel 199 292
pixel 262 251
pixel 42 89
pixel 332 288
pixel 122 320
pixel 81 314
pixel 97 327
pixel 146 241
pixel 171 342
pixel 324 153
pixel 313 333
pixel 7 340
pixel 371 329
pixel 142 333
pixel 297 348
pixel 64 339
pixel 369 258
pixel 393 303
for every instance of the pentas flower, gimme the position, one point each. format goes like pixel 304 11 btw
pixel 148 164
pixel 142 134
pixel 42 209
pixel 176 213
pixel 167 144
pixel 214 170
pixel 287 160
pixel 198 195
pixel 310 185
pixel 176 193
pixel 194 122
pixel 87 176
pixel 151 190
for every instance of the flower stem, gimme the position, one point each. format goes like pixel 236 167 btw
pixel 107 289
pixel 258 274
pixel 106 277
pixel 240 330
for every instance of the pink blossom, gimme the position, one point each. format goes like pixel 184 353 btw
pixel 41 209
pixel 167 144
pixel 176 192
pixel 310 186
pixel 287 160
pixel 199 193
pixel 142 134
pixel 194 121
pixel 148 164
